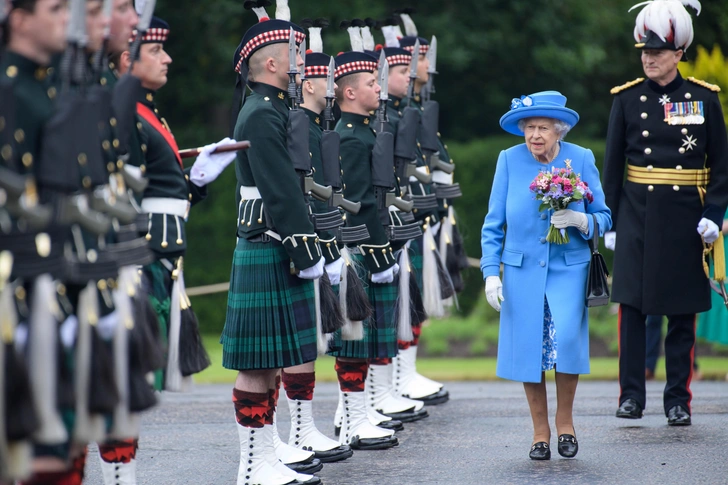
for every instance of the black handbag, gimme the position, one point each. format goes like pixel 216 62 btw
pixel 597 288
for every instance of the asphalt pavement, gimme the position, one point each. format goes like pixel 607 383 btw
pixel 481 436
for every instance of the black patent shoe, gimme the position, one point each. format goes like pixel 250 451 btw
pixel 629 409
pixel 568 446
pixel 677 416
pixel 540 451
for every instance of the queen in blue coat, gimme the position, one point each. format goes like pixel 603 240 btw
pixel 544 319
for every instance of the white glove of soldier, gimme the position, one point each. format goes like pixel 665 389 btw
pixel 386 276
pixel 315 271
pixel 708 230
pixel 610 240
pixel 209 166
pixel 569 218
pixel 334 271
pixel 494 292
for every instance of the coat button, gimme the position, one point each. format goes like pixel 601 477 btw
pixel 679 167
pixel 684 131
pixel 643 98
pixel 650 188
pixel 649 168
pixel 648 150
pixel 543 216
pixel 645 133
pixel 688 95
pixel 676 188
pixel 644 116
pixel 681 150
pixel 543 240
pixel 542 263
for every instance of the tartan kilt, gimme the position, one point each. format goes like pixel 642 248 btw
pixel 271 314
pixel 380 331
pixel 415 254
pixel 157 284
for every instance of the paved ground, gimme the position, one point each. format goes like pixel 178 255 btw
pixel 482 436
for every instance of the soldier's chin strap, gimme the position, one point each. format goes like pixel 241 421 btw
pixel 239 96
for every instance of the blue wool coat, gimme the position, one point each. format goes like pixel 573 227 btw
pixel 514 233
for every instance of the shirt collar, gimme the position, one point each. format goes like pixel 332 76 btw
pixel 266 90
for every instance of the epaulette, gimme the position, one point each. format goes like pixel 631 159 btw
pixel 713 87
pixel 619 89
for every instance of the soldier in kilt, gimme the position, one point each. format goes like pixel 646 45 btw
pixel 271 315
pixel 166 200
pixel 299 381
pixel 357 95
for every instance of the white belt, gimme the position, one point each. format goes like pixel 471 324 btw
pixel 166 205
pixel 249 193
pixel 252 193
pixel 440 177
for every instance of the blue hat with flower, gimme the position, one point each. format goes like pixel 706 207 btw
pixel 545 104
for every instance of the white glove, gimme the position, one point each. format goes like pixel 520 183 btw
pixel 315 271
pixel 334 271
pixel 610 240
pixel 709 230
pixel 209 166
pixel 569 218
pixel 494 292
pixel 386 276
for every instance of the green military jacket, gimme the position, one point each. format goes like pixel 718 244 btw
pixel 266 166
pixel 357 143
pixel 168 179
pixel 327 241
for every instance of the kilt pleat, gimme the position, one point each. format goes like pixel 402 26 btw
pixel 270 321
pixel 157 284
pixel 380 331
pixel 415 249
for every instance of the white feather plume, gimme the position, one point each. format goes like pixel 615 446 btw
pixel 390 36
pixel 282 10
pixel 367 38
pixel 357 45
pixel 663 17
pixel 397 31
pixel 409 25
pixel 315 42
pixel 260 13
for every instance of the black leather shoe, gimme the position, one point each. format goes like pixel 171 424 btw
pixel 568 446
pixel 629 409
pixel 677 416
pixel 540 451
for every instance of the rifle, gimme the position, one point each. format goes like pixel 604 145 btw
pixel 383 166
pixel 331 162
pixel 298 147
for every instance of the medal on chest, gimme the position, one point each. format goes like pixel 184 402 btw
pixel 686 113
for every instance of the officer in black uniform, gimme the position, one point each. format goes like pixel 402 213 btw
pixel 670 135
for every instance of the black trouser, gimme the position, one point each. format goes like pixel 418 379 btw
pixel 679 354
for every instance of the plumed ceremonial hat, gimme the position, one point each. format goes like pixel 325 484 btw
pixel 664 24
pixel 544 104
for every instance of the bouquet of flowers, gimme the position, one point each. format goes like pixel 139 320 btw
pixel 556 189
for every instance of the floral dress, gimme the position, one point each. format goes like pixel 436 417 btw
pixel 548 351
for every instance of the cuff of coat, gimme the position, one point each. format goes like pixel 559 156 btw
pixel 714 213
pixel 329 249
pixel 489 269
pixel 196 194
pixel 377 257
pixel 303 249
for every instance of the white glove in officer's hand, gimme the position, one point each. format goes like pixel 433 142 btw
pixel 209 166
pixel 569 218
pixel 334 271
pixel 610 240
pixel 386 276
pixel 709 230
pixel 315 271
pixel 494 292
